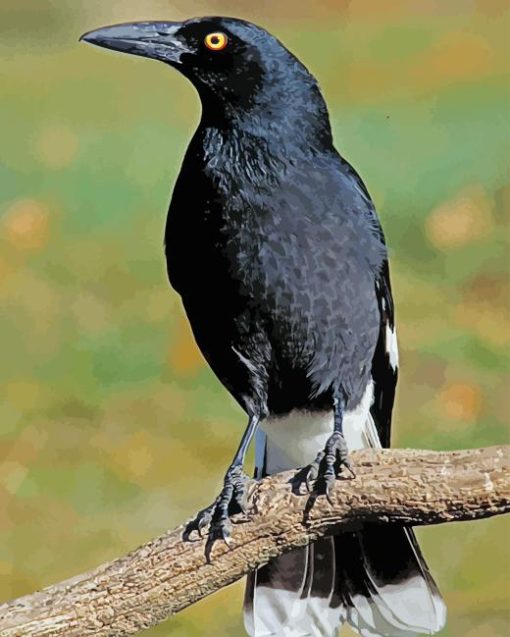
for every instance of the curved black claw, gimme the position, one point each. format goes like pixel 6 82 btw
pixel 328 464
pixel 231 500
pixel 198 523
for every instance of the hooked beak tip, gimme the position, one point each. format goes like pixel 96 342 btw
pixel 89 37
pixel 146 39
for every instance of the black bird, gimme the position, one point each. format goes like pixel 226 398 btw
pixel 275 247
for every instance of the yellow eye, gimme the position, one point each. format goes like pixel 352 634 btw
pixel 216 41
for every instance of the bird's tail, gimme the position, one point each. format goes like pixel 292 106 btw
pixel 375 579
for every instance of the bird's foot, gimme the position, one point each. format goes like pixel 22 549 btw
pixel 328 465
pixel 231 500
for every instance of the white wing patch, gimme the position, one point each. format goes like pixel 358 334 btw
pixel 392 346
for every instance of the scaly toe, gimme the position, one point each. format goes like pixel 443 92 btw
pixel 314 472
pixel 327 466
pixel 345 462
pixel 203 518
pixel 240 498
pixel 240 484
pixel 221 530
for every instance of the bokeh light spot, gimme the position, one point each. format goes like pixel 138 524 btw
pixel 26 224
pixel 461 401
pixel 462 220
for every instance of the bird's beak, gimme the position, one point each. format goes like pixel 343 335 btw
pixel 157 40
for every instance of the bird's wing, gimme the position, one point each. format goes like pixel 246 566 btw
pixel 385 361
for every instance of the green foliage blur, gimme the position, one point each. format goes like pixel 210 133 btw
pixel 112 428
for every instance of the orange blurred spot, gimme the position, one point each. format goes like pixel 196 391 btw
pixel 184 356
pixel 26 224
pixel 457 56
pixel 56 146
pixel 460 221
pixel 367 79
pixel 461 401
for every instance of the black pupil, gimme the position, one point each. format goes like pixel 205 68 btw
pixel 215 39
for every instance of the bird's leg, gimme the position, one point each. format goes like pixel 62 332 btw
pixel 329 462
pixel 232 498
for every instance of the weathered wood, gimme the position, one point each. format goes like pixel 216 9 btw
pixel 166 575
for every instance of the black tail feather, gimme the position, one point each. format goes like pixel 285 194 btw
pixel 375 579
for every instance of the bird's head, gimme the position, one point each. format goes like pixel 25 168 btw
pixel 234 65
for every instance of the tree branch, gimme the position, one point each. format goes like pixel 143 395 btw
pixel 166 575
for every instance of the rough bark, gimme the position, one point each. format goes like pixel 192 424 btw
pixel 166 575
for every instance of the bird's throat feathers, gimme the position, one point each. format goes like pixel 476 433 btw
pixel 287 118
pixel 262 143
pixel 237 154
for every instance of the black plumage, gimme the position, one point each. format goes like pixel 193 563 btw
pixel 282 271
pixel 275 247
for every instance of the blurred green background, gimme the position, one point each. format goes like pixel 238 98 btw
pixel 112 427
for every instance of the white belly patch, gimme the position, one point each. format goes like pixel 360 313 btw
pixel 293 440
